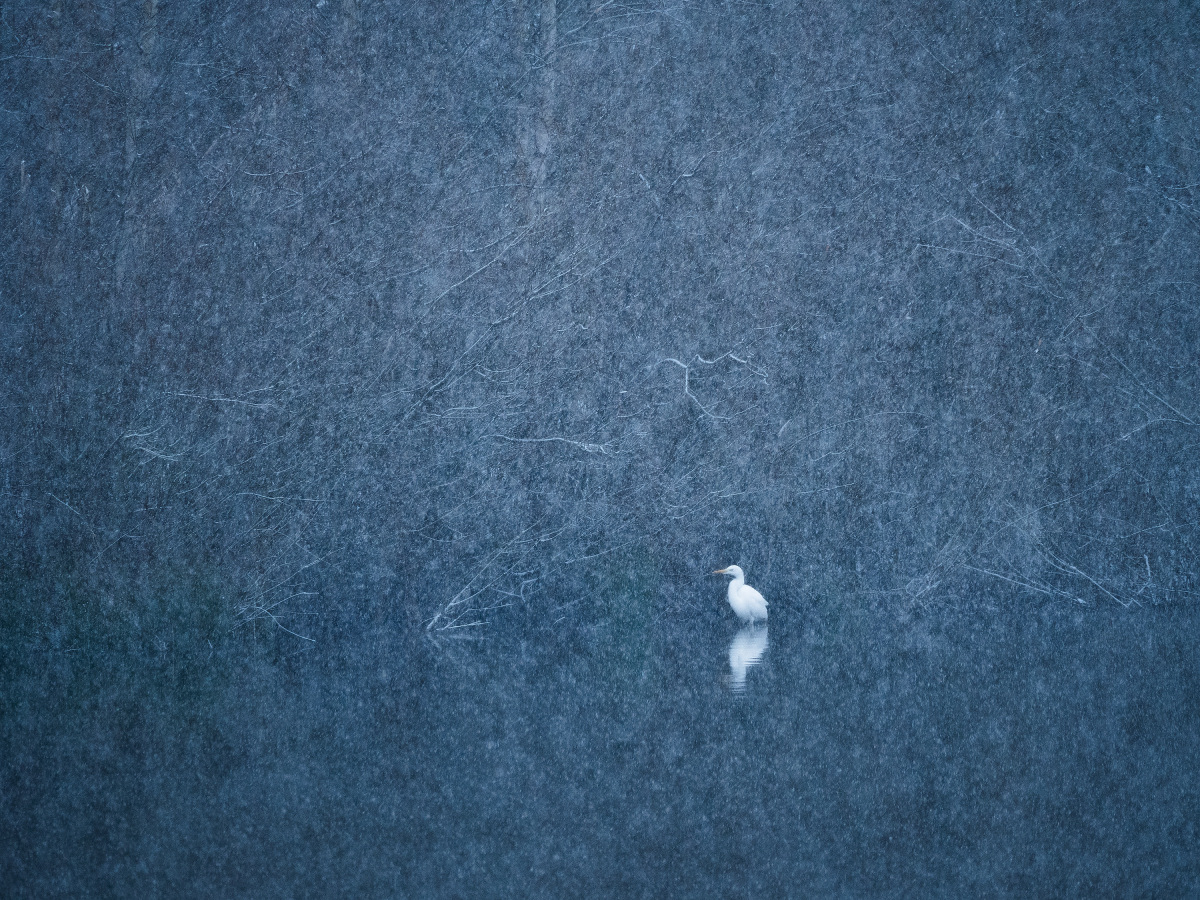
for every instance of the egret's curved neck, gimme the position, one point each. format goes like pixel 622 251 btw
pixel 738 581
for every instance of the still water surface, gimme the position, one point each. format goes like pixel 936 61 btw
pixel 988 748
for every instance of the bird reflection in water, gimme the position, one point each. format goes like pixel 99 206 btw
pixel 746 650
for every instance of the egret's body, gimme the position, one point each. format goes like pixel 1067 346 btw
pixel 749 605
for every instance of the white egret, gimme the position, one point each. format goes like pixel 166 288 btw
pixel 748 603
pixel 746 650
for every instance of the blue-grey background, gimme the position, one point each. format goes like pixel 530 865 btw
pixel 381 380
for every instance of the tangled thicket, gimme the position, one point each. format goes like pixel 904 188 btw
pixel 329 300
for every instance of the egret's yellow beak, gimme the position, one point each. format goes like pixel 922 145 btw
pixel 719 572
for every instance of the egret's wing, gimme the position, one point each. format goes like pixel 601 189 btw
pixel 753 596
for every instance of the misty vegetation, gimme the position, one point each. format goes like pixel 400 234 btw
pixel 329 326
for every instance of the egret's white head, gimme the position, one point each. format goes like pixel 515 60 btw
pixel 735 571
